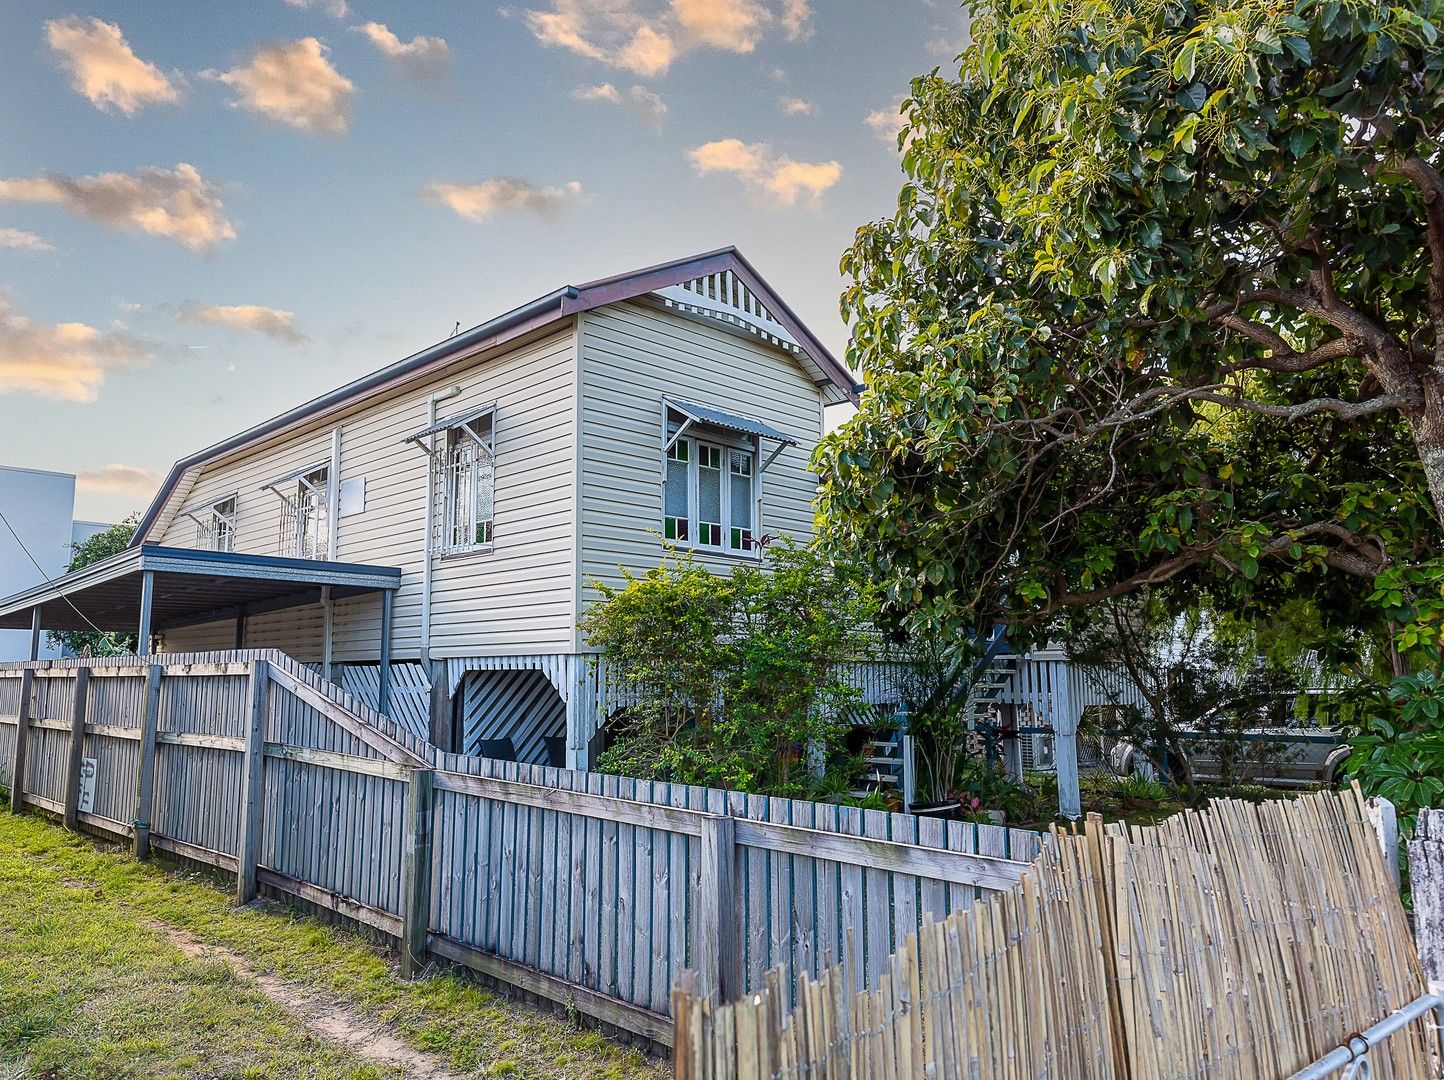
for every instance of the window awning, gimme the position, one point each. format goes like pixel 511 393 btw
pixel 451 422
pixel 306 470
pixel 702 414
pixel 190 586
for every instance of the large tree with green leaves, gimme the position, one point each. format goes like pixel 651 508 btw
pixel 1162 306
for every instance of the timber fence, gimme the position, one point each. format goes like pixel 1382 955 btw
pixel 591 891
pixel 1241 942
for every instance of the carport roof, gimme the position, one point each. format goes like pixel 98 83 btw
pixel 190 586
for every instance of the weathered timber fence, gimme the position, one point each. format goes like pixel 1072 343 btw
pixel 1240 942
pixel 595 891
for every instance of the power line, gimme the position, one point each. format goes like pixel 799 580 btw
pixel 104 635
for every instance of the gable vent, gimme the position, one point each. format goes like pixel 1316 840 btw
pixel 724 297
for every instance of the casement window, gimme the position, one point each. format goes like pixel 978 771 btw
pixel 712 472
pixel 461 469
pixel 305 513
pixel 216 526
pixel 467 484
pixel 710 495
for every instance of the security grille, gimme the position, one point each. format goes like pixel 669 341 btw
pixel 217 530
pixel 304 528
pixel 468 484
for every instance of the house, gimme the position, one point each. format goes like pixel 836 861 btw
pixel 38 529
pixel 427 535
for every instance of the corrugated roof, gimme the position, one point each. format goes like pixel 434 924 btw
pixel 704 414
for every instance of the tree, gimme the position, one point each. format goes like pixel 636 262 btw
pixel 1204 690
pixel 101 545
pixel 732 680
pixel 1162 305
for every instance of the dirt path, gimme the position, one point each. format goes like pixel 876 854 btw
pixel 323 1015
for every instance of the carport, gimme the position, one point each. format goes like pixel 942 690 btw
pixel 148 589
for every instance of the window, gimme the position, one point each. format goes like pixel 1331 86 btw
pixel 677 498
pixel 216 527
pixel 304 519
pixel 709 497
pixel 468 486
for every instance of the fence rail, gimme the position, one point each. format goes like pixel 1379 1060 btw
pixel 594 891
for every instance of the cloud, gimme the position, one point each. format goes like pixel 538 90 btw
pixel 795 106
pixel 477 202
pixel 647 105
pixel 118 480
pixel 337 9
pixel 647 42
pixel 797 19
pixel 67 361
pixel 104 69
pixel 604 92
pixel 271 322
pixel 732 25
pixel 21 240
pixel 774 175
pixel 427 59
pixel 292 83
pixel 887 124
pixel 178 204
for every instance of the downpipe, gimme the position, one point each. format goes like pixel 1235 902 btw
pixel 1352 1056
pixel 429 548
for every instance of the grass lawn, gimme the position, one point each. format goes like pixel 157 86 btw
pixel 92 983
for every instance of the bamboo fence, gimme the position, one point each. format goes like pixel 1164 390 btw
pixel 1242 941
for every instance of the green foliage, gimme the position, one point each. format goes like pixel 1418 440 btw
pixel 732 678
pixel 1155 308
pixel 1400 752
pixel 982 787
pixel 1204 690
pixel 934 686
pixel 92 549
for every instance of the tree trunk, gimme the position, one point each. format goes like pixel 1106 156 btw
pixel 1428 430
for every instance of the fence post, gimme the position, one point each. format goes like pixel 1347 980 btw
pixel 77 748
pixel 248 846
pixel 416 871
pixel 717 957
pixel 1385 820
pixel 1426 882
pixel 1426 879
pixel 145 769
pixel 22 732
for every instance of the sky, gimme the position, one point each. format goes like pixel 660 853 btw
pixel 210 212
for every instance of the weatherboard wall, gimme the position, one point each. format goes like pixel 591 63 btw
pixel 632 356
pixel 520 592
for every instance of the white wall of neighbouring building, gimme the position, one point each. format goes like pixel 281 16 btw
pixel 39 507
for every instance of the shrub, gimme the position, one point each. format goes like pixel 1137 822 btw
pixel 732 680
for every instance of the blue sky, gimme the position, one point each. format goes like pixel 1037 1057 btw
pixel 212 211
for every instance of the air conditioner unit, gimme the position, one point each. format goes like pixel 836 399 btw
pixel 1037 752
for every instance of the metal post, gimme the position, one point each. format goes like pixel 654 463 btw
pixel 147 601
pixel 1065 746
pixel 909 773
pixel 35 633
pixel 327 629
pixel 383 693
